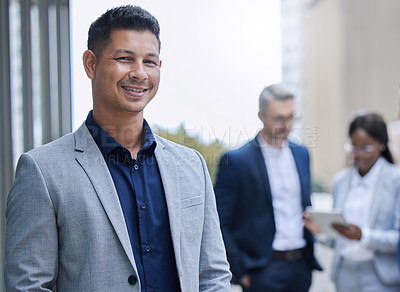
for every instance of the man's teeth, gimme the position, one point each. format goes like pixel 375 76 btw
pixel 133 89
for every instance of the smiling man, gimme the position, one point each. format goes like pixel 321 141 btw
pixel 113 207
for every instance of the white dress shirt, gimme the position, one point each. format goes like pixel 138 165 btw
pixel 356 211
pixel 286 196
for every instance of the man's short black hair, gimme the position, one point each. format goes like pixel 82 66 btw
pixel 122 17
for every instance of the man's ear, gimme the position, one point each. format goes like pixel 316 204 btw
pixel 89 63
pixel 261 116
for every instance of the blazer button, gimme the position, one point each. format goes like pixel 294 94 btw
pixel 132 279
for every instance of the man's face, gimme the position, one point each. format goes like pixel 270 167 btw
pixel 278 119
pixel 126 75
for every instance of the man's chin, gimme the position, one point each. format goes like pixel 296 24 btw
pixel 133 108
pixel 281 138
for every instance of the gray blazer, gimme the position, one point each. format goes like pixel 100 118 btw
pixel 384 220
pixel 66 230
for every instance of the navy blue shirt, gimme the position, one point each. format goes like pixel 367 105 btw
pixel 141 194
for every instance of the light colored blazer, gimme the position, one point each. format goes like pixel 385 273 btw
pixel 384 220
pixel 66 230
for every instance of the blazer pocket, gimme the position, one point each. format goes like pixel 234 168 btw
pixel 192 201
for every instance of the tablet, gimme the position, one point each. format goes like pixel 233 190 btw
pixel 325 219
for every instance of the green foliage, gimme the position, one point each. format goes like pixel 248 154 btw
pixel 317 187
pixel 210 151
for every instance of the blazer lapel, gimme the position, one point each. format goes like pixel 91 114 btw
pixel 165 162
pixel 88 155
pixel 300 165
pixel 262 170
pixel 379 192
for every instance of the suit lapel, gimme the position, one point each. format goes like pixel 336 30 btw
pixel 165 162
pixel 262 171
pixel 300 166
pixel 88 155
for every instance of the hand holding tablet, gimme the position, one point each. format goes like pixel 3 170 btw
pixel 325 219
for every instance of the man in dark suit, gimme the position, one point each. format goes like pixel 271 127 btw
pixel 262 190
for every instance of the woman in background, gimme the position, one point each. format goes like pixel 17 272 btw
pixel 368 195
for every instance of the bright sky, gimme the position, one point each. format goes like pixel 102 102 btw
pixel 217 57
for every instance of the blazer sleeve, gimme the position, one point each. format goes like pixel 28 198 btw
pixel 398 253
pixel 31 246
pixel 383 236
pixel 214 268
pixel 383 233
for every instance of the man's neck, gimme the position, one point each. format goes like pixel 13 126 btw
pixel 125 128
pixel 273 141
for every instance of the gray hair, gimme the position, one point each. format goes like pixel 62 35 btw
pixel 273 92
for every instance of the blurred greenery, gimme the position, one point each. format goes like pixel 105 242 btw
pixel 210 151
pixel 317 187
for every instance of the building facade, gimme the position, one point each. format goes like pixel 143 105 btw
pixel 349 62
pixel 35 84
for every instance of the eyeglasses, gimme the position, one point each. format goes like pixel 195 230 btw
pixel 285 120
pixel 356 149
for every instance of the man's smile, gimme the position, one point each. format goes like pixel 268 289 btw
pixel 133 89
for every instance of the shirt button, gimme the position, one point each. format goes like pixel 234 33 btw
pixel 147 248
pixel 143 206
pixel 136 167
pixel 132 279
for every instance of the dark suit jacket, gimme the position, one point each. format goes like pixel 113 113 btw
pixel 398 254
pixel 245 206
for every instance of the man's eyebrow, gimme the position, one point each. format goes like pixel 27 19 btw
pixel 126 51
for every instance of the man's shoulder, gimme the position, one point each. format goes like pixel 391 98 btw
pixel 173 154
pixel 174 148
pixel 61 146
pixel 297 146
pixel 299 151
pixel 244 150
pixel 51 158
pixel 58 145
pixel 242 156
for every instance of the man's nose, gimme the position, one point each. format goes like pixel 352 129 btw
pixel 138 72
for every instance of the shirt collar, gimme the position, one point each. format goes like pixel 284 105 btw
pixel 106 143
pixel 264 144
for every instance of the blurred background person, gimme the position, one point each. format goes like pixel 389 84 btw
pixel 394 135
pixel 262 190
pixel 398 254
pixel 368 194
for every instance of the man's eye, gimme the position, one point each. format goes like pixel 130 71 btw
pixel 151 62
pixel 123 59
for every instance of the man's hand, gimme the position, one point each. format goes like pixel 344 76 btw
pixel 310 224
pixel 245 281
pixel 351 232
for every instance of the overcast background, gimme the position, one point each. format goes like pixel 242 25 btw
pixel 217 57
